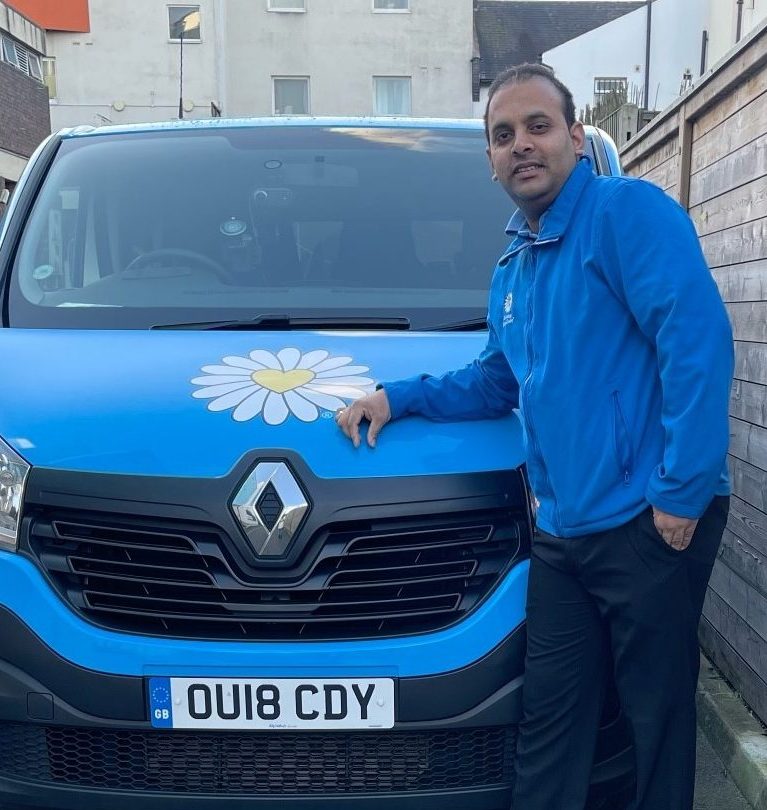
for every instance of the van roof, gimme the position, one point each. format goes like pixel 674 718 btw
pixel 281 121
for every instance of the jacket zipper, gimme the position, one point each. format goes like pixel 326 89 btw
pixel 624 459
pixel 527 385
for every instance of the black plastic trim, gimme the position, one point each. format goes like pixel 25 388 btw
pixel 33 795
pixel 27 664
pixel 334 501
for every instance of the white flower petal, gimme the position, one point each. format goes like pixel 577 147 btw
pixel 300 407
pixel 226 370
pixel 220 379
pixel 326 401
pixel 360 382
pixel 266 359
pixel 251 406
pixel 233 399
pixel 275 410
pixel 213 391
pixel 289 358
pixel 310 359
pixel 331 362
pixel 242 362
pixel 344 391
pixel 347 371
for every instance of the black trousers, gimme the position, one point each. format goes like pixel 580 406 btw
pixel 620 598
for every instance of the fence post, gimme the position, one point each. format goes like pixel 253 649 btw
pixel 685 157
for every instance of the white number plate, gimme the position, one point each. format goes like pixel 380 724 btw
pixel 276 703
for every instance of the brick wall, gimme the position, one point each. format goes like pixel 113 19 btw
pixel 25 117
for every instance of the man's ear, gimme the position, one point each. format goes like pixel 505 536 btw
pixel 493 175
pixel 578 136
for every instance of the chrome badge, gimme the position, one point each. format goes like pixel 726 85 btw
pixel 269 507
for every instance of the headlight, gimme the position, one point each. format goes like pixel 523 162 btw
pixel 13 474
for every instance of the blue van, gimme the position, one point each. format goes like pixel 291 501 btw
pixel 209 598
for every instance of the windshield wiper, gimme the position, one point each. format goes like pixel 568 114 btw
pixel 281 322
pixel 473 325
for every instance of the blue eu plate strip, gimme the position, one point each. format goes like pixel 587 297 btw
pixel 160 703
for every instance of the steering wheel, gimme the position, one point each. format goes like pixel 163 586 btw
pixel 180 253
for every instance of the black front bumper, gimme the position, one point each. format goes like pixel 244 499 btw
pixel 74 738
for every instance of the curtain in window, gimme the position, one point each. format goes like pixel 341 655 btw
pixel 392 96
pixel 291 96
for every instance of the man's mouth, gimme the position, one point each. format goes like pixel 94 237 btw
pixel 527 168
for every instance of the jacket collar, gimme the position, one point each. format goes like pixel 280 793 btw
pixel 556 218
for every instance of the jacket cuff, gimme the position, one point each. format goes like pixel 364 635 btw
pixel 403 396
pixel 689 510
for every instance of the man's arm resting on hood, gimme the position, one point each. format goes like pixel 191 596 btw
pixel 484 389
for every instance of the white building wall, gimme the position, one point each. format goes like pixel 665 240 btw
pixel 617 49
pixel 126 69
pixel 341 45
pixel 723 24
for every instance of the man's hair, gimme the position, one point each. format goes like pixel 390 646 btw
pixel 523 73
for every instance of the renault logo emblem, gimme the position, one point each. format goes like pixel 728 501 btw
pixel 269 507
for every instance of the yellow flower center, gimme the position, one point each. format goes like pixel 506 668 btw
pixel 282 381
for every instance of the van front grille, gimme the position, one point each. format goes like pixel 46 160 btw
pixel 367 579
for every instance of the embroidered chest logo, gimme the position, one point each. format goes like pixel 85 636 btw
pixel 508 315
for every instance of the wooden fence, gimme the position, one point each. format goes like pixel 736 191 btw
pixel 709 151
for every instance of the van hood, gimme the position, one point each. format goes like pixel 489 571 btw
pixel 192 403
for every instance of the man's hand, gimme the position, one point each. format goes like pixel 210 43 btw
pixel 676 531
pixel 374 407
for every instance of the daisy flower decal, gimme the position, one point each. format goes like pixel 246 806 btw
pixel 276 385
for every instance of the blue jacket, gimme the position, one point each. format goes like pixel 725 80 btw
pixel 608 333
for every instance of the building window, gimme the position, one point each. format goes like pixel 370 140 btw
pixel 606 86
pixel 391 5
pixel 49 75
pixel 291 95
pixel 392 95
pixel 184 21
pixel 16 54
pixel 287 5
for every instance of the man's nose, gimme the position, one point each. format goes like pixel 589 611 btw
pixel 522 143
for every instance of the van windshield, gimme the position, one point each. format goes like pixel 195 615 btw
pixel 137 229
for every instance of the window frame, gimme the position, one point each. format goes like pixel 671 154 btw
pixel 409 113
pixel 20 56
pixel 283 77
pixel 187 40
pixel 49 77
pixel 379 10
pixel 273 5
pixel 614 84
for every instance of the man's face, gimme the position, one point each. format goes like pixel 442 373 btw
pixel 532 150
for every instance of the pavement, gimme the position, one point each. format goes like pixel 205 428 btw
pixel 714 788
pixel 738 739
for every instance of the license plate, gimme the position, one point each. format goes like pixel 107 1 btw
pixel 276 703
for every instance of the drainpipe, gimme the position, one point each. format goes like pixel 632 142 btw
pixel 739 30
pixel 647 56
pixel 222 78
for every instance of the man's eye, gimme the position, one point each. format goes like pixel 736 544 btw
pixel 539 127
pixel 502 136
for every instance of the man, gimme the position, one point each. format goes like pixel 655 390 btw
pixel 606 330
